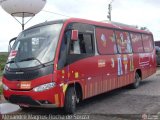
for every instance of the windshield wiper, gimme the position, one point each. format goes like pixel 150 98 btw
pixel 32 58
pixel 13 61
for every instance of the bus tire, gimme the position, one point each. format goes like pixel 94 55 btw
pixel 70 101
pixel 136 81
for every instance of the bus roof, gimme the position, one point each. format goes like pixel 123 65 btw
pixel 108 24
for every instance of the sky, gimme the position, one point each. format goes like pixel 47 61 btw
pixel 143 13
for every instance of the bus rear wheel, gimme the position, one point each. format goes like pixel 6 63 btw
pixel 136 81
pixel 70 101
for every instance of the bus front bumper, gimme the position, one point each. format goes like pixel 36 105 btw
pixel 49 98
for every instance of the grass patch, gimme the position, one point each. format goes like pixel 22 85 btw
pixel 1 73
pixel 3 59
pixel 0 84
pixel 1 89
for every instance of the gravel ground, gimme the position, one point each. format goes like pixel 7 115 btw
pixel 120 104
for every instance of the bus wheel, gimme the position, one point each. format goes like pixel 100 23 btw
pixel 136 81
pixel 70 101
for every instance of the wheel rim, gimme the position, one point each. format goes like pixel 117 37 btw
pixel 73 100
pixel 137 78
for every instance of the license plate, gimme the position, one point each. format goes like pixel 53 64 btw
pixel 25 85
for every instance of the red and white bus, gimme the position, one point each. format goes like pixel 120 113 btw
pixel 59 63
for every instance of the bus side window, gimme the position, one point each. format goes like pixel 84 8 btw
pixel 83 45
pixel 136 41
pixel 147 42
pixel 106 41
pixel 123 42
pixel 88 43
pixel 75 47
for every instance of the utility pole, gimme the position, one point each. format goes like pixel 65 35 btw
pixel 109 10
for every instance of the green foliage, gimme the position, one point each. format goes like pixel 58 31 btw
pixel 3 59
pixel 1 72
pixel 2 65
pixel 0 89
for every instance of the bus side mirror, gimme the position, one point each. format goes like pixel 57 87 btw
pixel 11 42
pixel 74 35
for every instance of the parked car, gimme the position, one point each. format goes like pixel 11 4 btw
pixel 158 54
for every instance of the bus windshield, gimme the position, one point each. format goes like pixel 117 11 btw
pixel 34 47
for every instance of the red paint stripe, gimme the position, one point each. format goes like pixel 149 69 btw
pixel 110 84
pixel 106 88
pixel 103 85
pixel 114 83
pixel 93 87
pixel 128 78
pixel 107 84
pixel 97 87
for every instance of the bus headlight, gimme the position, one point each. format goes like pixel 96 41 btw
pixel 5 87
pixel 44 87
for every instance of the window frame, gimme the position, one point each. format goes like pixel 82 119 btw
pixel 83 28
